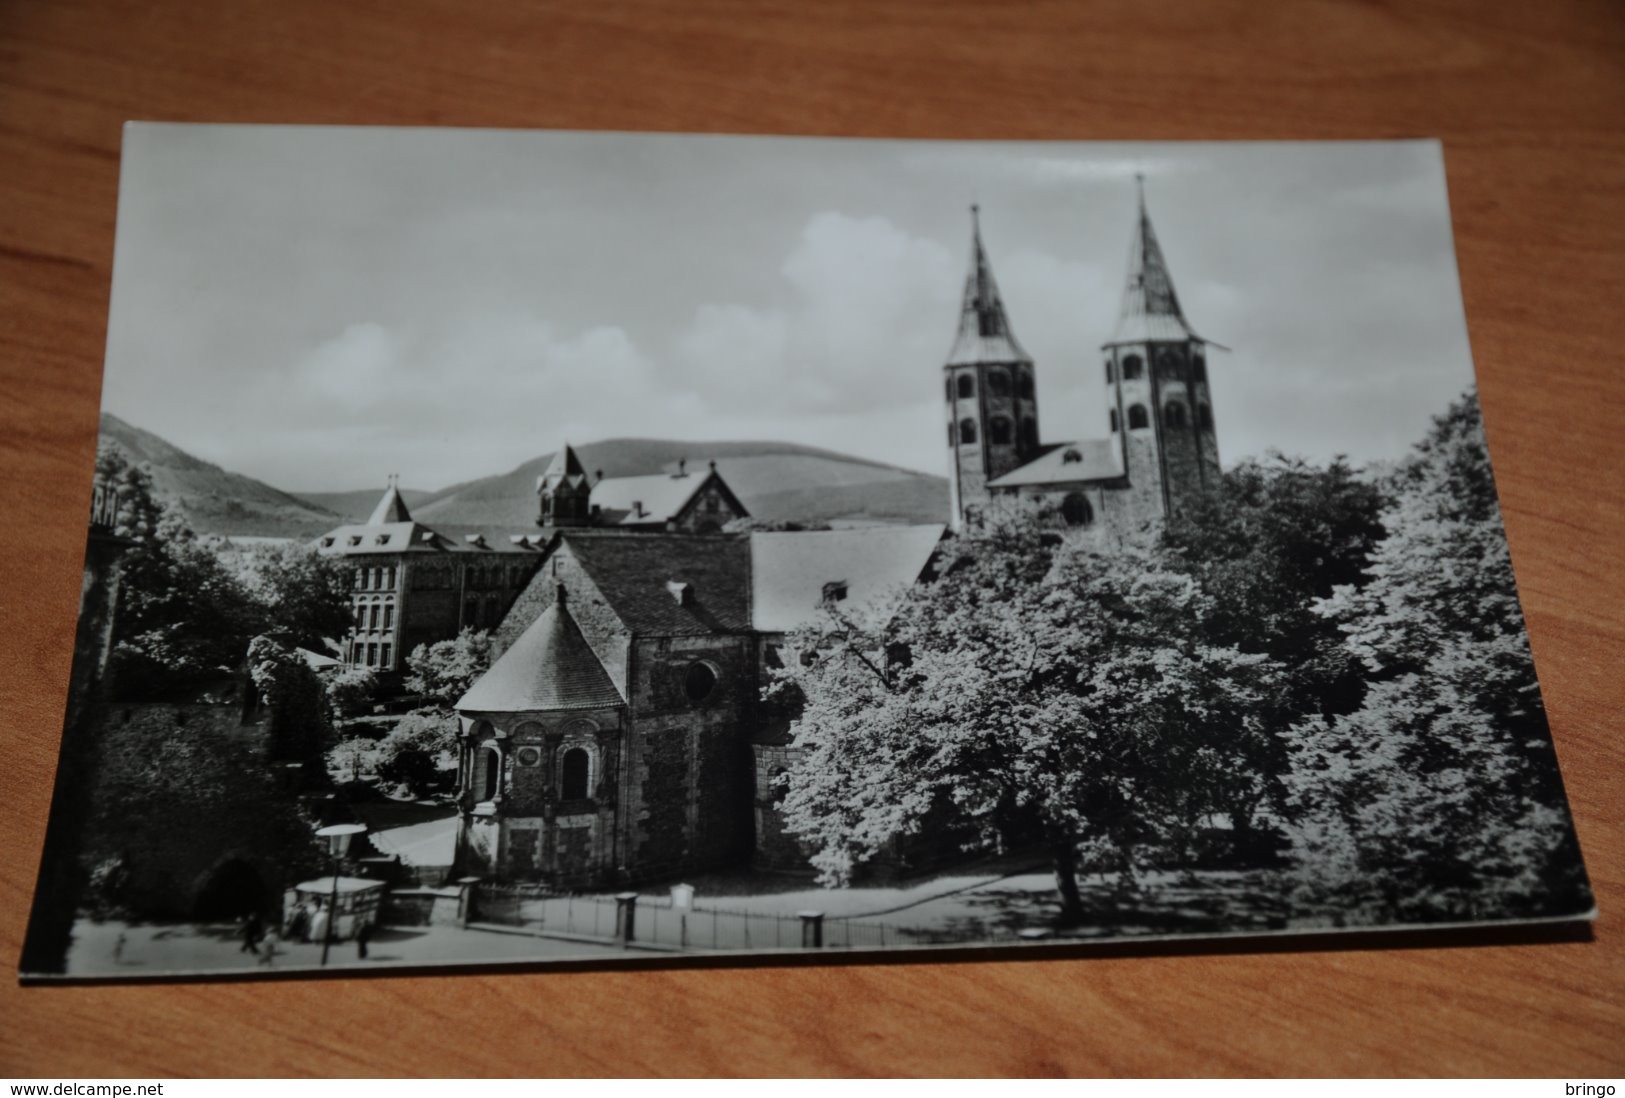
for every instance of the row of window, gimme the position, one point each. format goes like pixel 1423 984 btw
pixel 998 384
pixel 1134 367
pixel 437 576
pixel 1173 415
pixel 375 579
pixel 376 614
pixel 574 772
pixel 999 432
pixel 376 655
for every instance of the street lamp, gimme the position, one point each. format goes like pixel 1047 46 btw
pixel 338 838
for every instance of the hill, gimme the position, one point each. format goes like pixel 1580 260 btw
pixel 214 500
pixel 776 481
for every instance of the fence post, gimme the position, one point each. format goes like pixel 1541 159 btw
pixel 812 929
pixel 626 910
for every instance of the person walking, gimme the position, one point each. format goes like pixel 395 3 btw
pixel 253 930
pixel 361 938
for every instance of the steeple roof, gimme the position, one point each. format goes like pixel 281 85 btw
pixel 1150 306
pixel 565 468
pixel 984 330
pixel 550 667
pixel 391 508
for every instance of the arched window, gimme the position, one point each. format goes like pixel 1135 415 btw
pixel 1071 457
pixel 1133 367
pixel 699 682
pixel 998 431
pixel 1025 385
pixel 1204 417
pixel 949 387
pixel 1111 371
pixel 998 383
pixel 1137 418
pixel 1113 415
pixel 574 770
pixel 953 439
pixel 967 431
pixel 1029 431
pixel 1076 510
pixel 967 387
pixel 1173 414
pixel 491 775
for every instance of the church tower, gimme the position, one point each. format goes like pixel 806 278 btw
pixel 1161 413
pixel 992 406
pixel 565 491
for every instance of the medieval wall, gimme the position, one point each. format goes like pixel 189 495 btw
pixel 689 775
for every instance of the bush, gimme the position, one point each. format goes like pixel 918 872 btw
pixel 351 691
pixel 411 755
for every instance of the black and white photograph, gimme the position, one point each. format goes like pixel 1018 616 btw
pixel 513 547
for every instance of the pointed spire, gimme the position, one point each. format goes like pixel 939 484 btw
pixel 1150 305
pixel 391 508
pixel 984 330
pixel 564 464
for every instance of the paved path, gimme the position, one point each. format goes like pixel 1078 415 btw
pixel 150 949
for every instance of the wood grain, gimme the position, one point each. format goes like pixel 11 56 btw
pixel 1530 99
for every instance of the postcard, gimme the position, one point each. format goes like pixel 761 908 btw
pixel 518 547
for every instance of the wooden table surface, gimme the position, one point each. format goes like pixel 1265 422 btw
pixel 1530 101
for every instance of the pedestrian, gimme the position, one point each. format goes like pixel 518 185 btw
pixel 361 937
pixel 317 930
pixel 118 948
pixel 268 955
pixel 253 930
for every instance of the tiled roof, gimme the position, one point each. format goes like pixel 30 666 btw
pixel 662 496
pixel 634 571
pixel 391 508
pixel 550 667
pixel 792 572
pixel 1150 307
pixel 984 330
pixel 359 539
pixel 1068 462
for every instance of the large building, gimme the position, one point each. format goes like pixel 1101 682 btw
pixel 1160 449
pixel 413 585
pixel 621 735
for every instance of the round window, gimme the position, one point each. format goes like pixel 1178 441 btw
pixel 699 682
pixel 528 756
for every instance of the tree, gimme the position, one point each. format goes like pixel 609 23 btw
pixel 443 672
pixel 1270 540
pixel 1043 688
pixel 300 725
pixel 351 690
pixel 297 593
pixel 412 752
pixel 1438 797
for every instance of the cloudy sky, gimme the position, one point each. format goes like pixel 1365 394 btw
pixel 319 307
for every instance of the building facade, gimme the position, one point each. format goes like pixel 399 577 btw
pixel 1161 447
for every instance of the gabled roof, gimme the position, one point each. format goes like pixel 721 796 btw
pixel 1150 309
pixel 1066 463
pixel 550 667
pixel 565 469
pixel 633 571
pixel 792 572
pixel 654 499
pixel 391 508
pixel 984 330
pixel 358 539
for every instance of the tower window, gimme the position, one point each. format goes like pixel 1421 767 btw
pixel 967 387
pixel 1137 417
pixel 1029 431
pixel 949 382
pixel 999 431
pixel 1075 510
pixel 1173 414
pixel 998 383
pixel 1199 368
pixel 1111 371
pixel 1204 417
pixel 1113 416
pixel 574 770
pixel 699 682
pixel 967 431
pixel 1133 368
pixel 1025 385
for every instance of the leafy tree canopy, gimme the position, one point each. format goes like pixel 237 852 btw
pixel 442 672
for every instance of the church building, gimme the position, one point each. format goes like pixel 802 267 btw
pixel 1160 449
